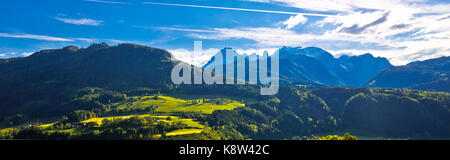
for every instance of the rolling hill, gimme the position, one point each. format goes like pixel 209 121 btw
pixel 432 74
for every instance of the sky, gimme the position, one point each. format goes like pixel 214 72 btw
pixel 400 30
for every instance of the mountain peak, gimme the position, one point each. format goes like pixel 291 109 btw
pixel 287 50
pixel 368 55
pixel 71 48
pixel 314 52
pixel 287 47
pixel 98 45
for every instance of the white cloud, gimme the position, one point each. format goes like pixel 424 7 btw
pixel 398 52
pixel 186 55
pixel 2 55
pixel 26 54
pixel 238 9
pixel 37 37
pixel 257 51
pixel 276 37
pixel 352 5
pixel 295 20
pixel 82 21
pixel 401 30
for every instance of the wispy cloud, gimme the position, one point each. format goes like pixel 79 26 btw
pixel 26 54
pixel 2 55
pixel 82 21
pixel 294 21
pixel 239 9
pixel 352 5
pixel 403 31
pixel 398 52
pixel 36 37
pixel 108 2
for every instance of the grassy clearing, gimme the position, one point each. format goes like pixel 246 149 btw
pixel 44 126
pixel 183 132
pixel 173 119
pixel 99 120
pixel 6 130
pixel 70 131
pixel 167 108
pixel 245 100
pixel 167 104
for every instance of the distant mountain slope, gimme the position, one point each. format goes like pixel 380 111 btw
pixel 352 71
pixel 291 73
pixel 362 67
pixel 428 74
pixel 316 65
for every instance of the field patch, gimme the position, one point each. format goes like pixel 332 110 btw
pixel 173 119
pixel 166 104
pixel 183 132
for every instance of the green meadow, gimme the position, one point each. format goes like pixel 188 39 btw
pixel 166 104
pixel 166 110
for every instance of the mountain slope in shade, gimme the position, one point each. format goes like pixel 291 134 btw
pixel 46 78
pixel 291 73
pixel 361 68
pixel 316 65
pixel 352 71
pixel 428 74
pixel 74 66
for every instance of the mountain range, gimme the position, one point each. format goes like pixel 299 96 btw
pixel 315 65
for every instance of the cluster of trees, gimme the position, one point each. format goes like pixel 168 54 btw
pixel 118 128
pixel 80 115
pixel 370 111
pixel 347 136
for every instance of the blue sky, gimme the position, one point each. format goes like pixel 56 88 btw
pixel 400 30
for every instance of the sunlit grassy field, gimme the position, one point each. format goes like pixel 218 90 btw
pixel 166 109
pixel 183 132
pixel 167 104
pixel 173 119
pixel 6 130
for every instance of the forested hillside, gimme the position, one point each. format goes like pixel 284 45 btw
pixel 430 74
